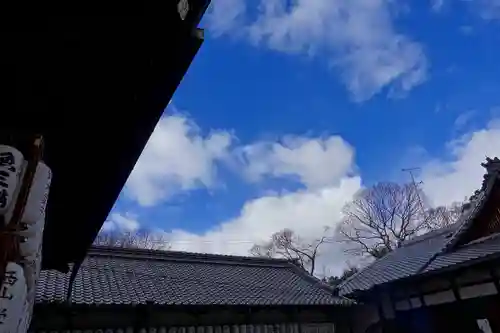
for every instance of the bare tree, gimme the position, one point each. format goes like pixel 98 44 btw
pixel 287 244
pixel 336 280
pixel 142 239
pixel 382 217
pixel 443 216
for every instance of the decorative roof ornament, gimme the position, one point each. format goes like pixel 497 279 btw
pixel 183 8
pixel 475 196
pixel 492 166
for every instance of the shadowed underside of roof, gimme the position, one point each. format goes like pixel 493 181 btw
pixel 110 276
pixel 93 84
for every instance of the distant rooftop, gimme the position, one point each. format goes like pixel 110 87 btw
pixel 136 276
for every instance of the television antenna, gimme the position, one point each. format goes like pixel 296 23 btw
pixel 412 171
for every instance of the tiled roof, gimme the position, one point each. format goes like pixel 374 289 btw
pixel 435 250
pixel 468 216
pixel 113 276
pixel 424 254
pixel 403 262
pixel 482 248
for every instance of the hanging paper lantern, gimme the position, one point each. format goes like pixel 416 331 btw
pixel 32 234
pixel 24 323
pixel 31 273
pixel 12 298
pixel 11 161
pixel 31 240
pixel 37 198
pixel 33 219
pixel 30 230
pixel 183 8
pixel 18 289
pixel 28 246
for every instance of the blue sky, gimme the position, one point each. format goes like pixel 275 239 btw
pixel 291 107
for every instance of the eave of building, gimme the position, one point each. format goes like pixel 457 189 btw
pixel 94 86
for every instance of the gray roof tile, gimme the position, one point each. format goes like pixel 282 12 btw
pixel 435 250
pixel 174 278
pixel 403 262
pixel 422 255
pixel 481 248
pixel 468 216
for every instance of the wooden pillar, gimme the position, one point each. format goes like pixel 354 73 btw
pixel 344 321
pixel 393 304
pixel 381 313
pixel 465 320
pixel 142 315
pixel 494 320
pixel 425 310
pixel 70 318
pixel 299 321
pixel 422 299
pixel 350 320
pixel 496 281
pixel 455 289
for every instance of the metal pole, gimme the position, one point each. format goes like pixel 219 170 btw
pixel 417 189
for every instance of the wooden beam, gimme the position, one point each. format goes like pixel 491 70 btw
pixel 393 304
pixel 380 307
pixel 420 297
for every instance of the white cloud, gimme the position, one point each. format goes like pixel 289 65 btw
pixel 226 16
pixel 179 159
pixel 488 9
pixel 455 178
pixel 121 222
pixel 485 9
pixel 306 212
pixel 437 5
pixel 358 37
pixel 467 30
pixel 316 162
pixel 325 166
pixel 464 119
pixel 176 158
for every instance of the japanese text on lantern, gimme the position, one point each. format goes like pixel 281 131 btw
pixel 7 170
pixel 10 279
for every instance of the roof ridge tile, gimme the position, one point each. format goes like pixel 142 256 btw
pixel 168 255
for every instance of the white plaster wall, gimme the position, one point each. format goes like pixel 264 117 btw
pixel 478 290
pixel 403 305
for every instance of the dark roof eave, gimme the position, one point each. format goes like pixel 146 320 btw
pixel 61 306
pixel 96 70
pixel 356 294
